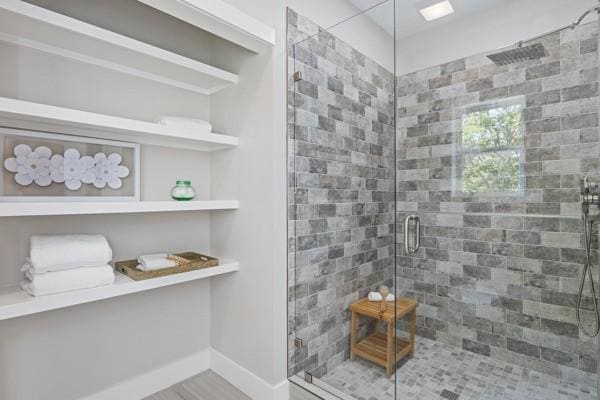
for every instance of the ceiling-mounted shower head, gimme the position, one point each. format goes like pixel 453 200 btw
pixel 518 54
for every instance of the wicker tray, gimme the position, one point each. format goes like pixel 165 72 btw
pixel 194 262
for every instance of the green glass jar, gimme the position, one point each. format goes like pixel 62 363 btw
pixel 183 191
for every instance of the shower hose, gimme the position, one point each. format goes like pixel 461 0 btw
pixel 587 274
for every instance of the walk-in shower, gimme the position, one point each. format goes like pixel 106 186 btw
pixel 460 177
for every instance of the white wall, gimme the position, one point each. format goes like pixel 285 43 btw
pixel 243 308
pixel 496 28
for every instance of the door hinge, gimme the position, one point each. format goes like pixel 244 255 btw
pixel 297 76
pixel 308 377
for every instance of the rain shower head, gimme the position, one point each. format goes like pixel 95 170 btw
pixel 518 54
pixel 534 51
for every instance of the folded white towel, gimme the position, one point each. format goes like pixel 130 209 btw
pixel 186 123
pixel 152 262
pixel 60 252
pixel 376 296
pixel 68 280
pixel 152 257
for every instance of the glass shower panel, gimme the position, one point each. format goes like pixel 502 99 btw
pixel 341 192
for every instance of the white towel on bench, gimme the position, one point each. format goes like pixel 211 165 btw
pixel 376 296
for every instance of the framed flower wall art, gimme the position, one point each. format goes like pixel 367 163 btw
pixel 39 166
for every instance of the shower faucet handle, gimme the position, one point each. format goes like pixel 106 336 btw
pixel 588 187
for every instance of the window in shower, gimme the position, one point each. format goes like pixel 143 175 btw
pixel 490 155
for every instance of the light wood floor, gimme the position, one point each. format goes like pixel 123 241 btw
pixel 206 386
pixel 210 386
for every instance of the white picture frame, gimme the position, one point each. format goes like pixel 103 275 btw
pixel 67 197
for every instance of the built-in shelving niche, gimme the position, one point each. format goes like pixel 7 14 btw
pixel 29 26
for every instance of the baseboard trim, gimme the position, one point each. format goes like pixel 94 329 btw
pixel 159 379
pixel 156 380
pixel 252 385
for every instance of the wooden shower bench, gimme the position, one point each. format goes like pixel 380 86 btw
pixel 379 346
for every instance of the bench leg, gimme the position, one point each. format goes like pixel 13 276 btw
pixel 391 350
pixel 412 329
pixel 353 333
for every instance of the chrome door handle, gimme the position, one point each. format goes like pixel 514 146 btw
pixel 417 234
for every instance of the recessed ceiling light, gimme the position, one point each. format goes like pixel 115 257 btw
pixel 436 11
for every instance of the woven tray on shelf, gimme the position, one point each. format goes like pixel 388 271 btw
pixel 189 261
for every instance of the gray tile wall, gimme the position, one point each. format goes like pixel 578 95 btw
pixel 497 274
pixel 341 194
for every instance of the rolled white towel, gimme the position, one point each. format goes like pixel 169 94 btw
pixel 152 257
pixel 156 265
pixel 60 252
pixel 152 262
pixel 376 296
pixel 194 124
pixel 67 280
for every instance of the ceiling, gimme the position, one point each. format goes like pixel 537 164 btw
pixel 409 21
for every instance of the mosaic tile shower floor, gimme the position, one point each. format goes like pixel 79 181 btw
pixel 437 367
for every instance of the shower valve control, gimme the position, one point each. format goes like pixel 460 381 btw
pixel 590 193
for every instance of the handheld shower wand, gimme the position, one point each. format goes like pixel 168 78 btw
pixel 590 196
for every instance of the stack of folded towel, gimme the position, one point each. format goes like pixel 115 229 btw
pixel 376 296
pixel 61 263
pixel 153 262
pixel 191 124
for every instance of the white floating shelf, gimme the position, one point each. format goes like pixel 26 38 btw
pixel 16 303
pixel 41 117
pixel 220 19
pixel 25 209
pixel 26 25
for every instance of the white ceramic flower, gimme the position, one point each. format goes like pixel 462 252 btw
pixel 72 169
pixel 30 166
pixel 57 168
pixel 109 171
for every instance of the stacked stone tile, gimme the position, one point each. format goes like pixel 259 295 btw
pixel 498 274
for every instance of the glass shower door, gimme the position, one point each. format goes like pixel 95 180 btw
pixel 491 155
pixel 341 196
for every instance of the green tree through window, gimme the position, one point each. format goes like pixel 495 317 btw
pixel 492 142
